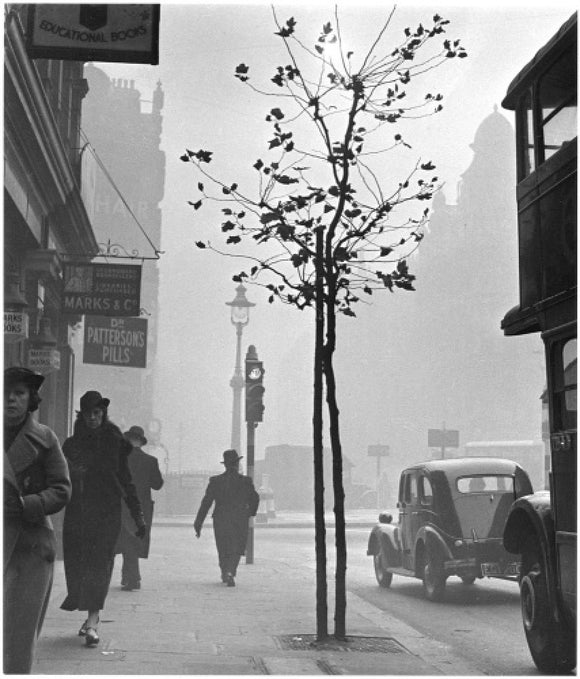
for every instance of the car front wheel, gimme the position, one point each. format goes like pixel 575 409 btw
pixel 433 577
pixel 552 651
pixel 384 578
pixel 468 579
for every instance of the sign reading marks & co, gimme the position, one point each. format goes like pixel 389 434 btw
pixel 124 33
pixel 120 342
pixel 102 289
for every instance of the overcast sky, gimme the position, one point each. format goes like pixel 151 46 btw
pixel 206 107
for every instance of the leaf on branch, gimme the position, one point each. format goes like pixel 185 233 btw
pixel 348 312
pixel 228 226
pixel 267 217
pixel 200 187
pixel 185 158
pixel 258 165
pixel 277 113
pixel 285 179
pixel 288 29
pixel 385 252
pixel 241 72
pixel 367 290
pixel 428 166
pixel 233 240
pixel 200 244
pixel 195 205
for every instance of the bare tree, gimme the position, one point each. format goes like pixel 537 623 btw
pixel 328 222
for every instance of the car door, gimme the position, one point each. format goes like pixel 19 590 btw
pixel 408 511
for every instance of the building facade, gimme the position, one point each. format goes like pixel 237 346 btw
pixel 45 217
pixel 128 186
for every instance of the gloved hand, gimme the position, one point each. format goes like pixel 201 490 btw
pixel 141 531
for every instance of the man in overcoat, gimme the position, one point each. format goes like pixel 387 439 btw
pixel 236 500
pixel 146 477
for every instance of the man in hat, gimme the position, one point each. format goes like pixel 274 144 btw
pixel 146 477
pixel 235 500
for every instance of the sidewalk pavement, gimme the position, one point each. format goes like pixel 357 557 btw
pixel 185 621
pixel 360 518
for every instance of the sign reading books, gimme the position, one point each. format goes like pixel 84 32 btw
pixel 123 33
pixel 119 342
pixel 102 289
pixel 44 360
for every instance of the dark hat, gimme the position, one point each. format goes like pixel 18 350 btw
pixel 136 433
pixel 17 374
pixel 93 399
pixel 231 456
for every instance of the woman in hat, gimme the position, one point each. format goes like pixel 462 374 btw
pixel 97 456
pixel 36 484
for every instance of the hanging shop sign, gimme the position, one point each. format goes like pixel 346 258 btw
pixel 15 326
pixel 123 33
pixel 102 289
pixel 44 360
pixel 119 342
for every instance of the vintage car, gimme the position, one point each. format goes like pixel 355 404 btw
pixel 452 514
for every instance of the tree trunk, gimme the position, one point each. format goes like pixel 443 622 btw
pixel 337 477
pixel 318 448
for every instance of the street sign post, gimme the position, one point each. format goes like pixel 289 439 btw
pixel 443 438
pixel 378 451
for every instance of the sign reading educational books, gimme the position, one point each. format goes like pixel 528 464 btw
pixel 120 342
pixel 102 289
pixel 124 33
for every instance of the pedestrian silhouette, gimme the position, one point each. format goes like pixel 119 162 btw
pixel 97 455
pixel 36 484
pixel 146 477
pixel 236 500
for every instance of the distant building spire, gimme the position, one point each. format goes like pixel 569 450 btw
pixel 158 98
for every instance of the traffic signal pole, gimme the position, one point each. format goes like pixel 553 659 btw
pixel 251 429
pixel 254 411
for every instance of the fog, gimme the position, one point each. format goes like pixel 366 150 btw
pixel 410 361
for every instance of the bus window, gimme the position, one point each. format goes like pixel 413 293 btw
pixel 525 127
pixel 557 99
pixel 565 390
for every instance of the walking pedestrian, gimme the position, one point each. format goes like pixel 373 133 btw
pixel 235 501
pixel 36 484
pixel 97 454
pixel 146 477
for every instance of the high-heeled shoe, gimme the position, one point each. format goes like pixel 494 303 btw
pixel 91 637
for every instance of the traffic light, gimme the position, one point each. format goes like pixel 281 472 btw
pixel 254 390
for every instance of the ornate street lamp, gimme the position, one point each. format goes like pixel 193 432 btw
pixel 240 317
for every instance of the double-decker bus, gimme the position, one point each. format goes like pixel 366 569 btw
pixel 542 527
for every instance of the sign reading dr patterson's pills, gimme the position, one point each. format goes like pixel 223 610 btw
pixel 102 289
pixel 116 341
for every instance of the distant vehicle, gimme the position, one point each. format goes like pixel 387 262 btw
pixel 451 520
pixel 542 529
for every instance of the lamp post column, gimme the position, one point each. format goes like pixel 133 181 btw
pixel 237 384
pixel 240 317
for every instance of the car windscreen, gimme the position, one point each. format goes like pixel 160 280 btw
pixel 482 504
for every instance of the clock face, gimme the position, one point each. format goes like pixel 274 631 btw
pixel 255 374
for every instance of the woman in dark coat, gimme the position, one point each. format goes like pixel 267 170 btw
pixel 97 457
pixel 36 484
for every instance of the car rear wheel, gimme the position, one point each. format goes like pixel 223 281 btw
pixel 553 652
pixel 384 578
pixel 433 577
pixel 468 579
